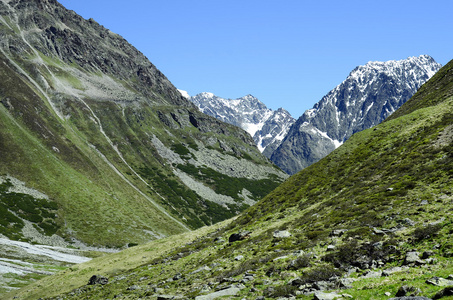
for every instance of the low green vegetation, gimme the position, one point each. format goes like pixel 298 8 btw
pixel 183 200
pixel 17 207
pixel 231 186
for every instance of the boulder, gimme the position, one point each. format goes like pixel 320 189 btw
pixel 407 290
pixel 325 296
pixel 239 236
pixel 448 291
pixel 438 281
pixel 390 271
pixel 281 234
pixel 226 292
pixel 323 285
pixel 345 283
pixel 167 297
pixel 201 269
pixel 338 232
pixel 413 258
pixel 98 279
pixel 410 298
pixel 372 274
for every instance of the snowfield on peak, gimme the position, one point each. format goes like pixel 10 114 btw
pixel 369 94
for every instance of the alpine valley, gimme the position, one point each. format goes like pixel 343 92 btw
pixel 101 153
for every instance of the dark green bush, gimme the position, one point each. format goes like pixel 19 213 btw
pixel 299 263
pixel 320 273
pixel 280 291
pixel 424 233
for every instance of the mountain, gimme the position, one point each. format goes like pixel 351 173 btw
pixel 371 220
pixel 99 148
pixel 267 127
pixel 364 99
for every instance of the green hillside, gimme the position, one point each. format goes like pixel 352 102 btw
pixel 370 218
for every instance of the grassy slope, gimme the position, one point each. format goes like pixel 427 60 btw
pixel 380 178
pixel 75 177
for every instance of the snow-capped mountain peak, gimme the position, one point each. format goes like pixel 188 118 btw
pixel 266 126
pixel 364 99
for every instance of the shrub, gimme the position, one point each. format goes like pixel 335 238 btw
pixel 299 263
pixel 280 291
pixel 423 233
pixel 320 273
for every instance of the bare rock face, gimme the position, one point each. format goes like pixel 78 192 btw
pixel 368 95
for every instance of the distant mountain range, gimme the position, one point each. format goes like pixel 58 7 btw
pixel 267 127
pixel 364 99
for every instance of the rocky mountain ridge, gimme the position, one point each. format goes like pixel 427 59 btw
pixel 364 99
pixel 267 127
pixel 121 157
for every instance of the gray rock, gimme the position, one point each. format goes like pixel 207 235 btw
pixel 408 222
pixel 323 285
pixel 338 232
pixel 413 258
pixel 345 283
pixel 410 298
pixel 448 291
pixel 390 271
pixel 372 274
pixel 427 254
pixel 281 234
pixel 330 247
pixel 226 292
pixel 406 289
pixel 325 296
pixel 98 279
pixel 167 297
pixel 239 257
pixel 219 240
pixel 201 269
pixel 177 277
pixel 133 288
pixel 438 281
pixel 239 236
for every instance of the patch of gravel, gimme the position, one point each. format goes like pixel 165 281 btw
pixel 19 187
pixel 202 190
pixel 100 87
pixel 445 138
pixel 165 152
pixel 35 236
pixel 232 166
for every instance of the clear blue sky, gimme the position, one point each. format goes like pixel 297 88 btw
pixel 287 53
